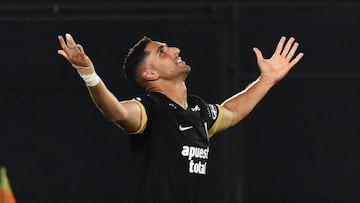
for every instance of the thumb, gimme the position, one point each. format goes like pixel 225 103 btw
pixel 258 54
pixel 62 52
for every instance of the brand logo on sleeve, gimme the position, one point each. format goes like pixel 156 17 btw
pixel 213 111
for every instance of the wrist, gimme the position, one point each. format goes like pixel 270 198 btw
pixel 91 79
pixel 267 80
pixel 84 70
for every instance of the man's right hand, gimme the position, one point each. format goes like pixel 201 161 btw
pixel 75 54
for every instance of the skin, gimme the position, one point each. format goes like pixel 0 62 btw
pixel 163 72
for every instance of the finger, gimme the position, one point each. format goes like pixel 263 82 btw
pixel 80 49
pixel 63 44
pixel 287 46
pixel 292 51
pixel 63 53
pixel 258 54
pixel 280 45
pixel 70 41
pixel 296 59
pixel 76 50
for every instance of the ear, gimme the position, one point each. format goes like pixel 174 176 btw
pixel 149 75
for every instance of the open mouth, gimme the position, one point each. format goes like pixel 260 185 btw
pixel 179 60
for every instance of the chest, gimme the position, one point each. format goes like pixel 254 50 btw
pixel 182 126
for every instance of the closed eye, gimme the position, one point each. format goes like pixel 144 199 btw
pixel 161 49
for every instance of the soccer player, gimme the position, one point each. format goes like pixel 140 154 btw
pixel 169 129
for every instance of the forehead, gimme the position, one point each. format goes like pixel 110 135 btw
pixel 153 46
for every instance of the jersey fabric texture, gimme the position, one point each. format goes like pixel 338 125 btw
pixel 172 149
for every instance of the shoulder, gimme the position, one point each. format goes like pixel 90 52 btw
pixel 150 102
pixel 146 99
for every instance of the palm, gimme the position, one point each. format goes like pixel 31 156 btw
pixel 281 61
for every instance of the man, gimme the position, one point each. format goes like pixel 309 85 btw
pixel 169 129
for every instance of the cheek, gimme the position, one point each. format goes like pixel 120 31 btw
pixel 166 66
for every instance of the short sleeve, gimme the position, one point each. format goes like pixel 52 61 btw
pixel 143 120
pixel 215 115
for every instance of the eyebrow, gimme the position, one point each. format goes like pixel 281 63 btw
pixel 161 47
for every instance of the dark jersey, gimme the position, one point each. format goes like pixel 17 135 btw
pixel 172 148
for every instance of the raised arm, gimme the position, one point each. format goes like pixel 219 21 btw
pixel 127 114
pixel 272 70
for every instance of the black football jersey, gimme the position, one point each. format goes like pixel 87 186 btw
pixel 172 149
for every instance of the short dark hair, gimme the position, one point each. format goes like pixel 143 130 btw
pixel 133 59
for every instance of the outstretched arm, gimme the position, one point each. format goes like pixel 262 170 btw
pixel 127 114
pixel 272 70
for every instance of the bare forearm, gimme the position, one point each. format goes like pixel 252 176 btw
pixel 106 102
pixel 242 103
pixel 127 114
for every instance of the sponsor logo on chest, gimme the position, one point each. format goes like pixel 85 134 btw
pixel 197 157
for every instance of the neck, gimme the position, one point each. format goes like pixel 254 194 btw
pixel 175 91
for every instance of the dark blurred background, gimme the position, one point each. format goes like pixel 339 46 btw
pixel 301 143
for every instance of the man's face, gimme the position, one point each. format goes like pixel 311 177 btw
pixel 166 61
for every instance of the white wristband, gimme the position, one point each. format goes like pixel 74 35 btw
pixel 91 80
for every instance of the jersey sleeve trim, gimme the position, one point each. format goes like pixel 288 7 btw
pixel 214 127
pixel 143 118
